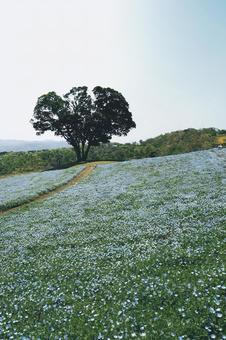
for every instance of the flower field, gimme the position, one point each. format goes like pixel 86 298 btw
pixel 19 189
pixel 135 251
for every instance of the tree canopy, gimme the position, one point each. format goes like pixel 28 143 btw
pixel 83 119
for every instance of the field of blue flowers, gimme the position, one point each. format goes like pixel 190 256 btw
pixel 16 190
pixel 134 251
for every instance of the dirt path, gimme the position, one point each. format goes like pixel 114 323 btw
pixel 89 167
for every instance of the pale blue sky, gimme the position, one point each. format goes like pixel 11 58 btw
pixel 167 57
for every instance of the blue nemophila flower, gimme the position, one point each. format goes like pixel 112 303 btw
pixel 123 254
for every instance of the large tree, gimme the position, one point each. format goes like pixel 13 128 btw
pixel 84 120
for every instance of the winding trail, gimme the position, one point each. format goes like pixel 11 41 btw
pixel 89 168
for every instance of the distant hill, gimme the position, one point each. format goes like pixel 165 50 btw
pixel 8 145
pixel 186 140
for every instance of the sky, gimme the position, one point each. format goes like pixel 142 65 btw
pixel 167 58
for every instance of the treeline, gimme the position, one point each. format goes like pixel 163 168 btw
pixel 166 144
pixel 17 162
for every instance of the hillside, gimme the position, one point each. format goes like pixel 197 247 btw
pixel 133 251
pixel 185 140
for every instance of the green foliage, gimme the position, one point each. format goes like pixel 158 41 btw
pixel 18 162
pixel 184 141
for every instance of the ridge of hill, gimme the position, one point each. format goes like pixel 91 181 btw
pixel 175 141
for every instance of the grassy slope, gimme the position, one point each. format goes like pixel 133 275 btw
pixel 136 251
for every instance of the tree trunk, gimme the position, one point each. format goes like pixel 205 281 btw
pixel 83 152
pixel 78 153
pixel 87 151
